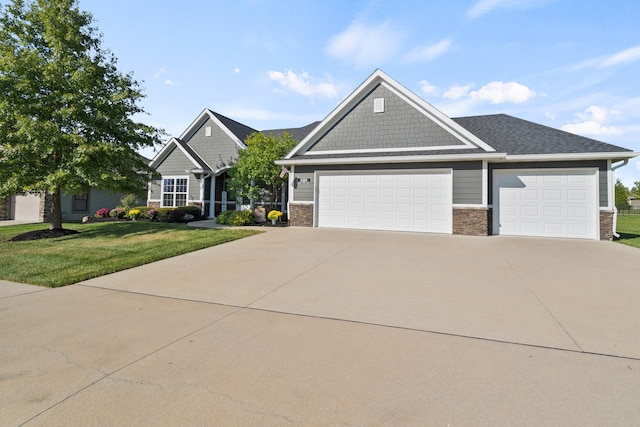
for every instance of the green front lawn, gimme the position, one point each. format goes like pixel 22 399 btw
pixel 99 249
pixel 629 230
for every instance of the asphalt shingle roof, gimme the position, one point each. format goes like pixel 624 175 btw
pixel 201 163
pixel 515 136
pixel 298 133
pixel 238 129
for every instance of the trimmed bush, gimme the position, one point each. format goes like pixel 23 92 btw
pixel 117 213
pixel 134 213
pixel 191 210
pixel 236 218
pixel 103 213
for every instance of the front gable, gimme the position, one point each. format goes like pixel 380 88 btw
pixel 396 125
pixel 381 116
pixel 213 144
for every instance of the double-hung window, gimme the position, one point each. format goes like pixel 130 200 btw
pixel 174 191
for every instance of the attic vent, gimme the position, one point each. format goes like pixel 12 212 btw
pixel 207 131
pixel 378 105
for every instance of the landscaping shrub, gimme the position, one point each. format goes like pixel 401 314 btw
pixel 236 218
pixel 175 215
pixel 117 213
pixel 134 214
pixel 275 215
pixel 103 213
pixel 127 201
pixel 191 210
pixel 144 211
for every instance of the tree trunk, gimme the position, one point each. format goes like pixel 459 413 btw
pixel 55 221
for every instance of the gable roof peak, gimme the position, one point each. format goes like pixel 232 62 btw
pixel 379 77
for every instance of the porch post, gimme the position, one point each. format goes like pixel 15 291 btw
pixel 212 197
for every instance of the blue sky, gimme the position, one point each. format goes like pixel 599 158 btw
pixel 573 65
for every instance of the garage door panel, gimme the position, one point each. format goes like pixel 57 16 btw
pixel 552 211
pixel 577 195
pixel 549 203
pixel 387 201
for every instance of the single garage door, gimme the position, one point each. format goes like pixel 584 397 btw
pixel 546 203
pixel 397 201
pixel 26 207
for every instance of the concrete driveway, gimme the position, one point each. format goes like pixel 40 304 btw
pixel 316 326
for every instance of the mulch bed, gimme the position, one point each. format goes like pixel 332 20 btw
pixel 42 234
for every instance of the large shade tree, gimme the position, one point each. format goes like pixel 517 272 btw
pixel 255 168
pixel 66 112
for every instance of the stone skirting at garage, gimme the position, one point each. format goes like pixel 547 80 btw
pixel 606 225
pixel 472 221
pixel 301 215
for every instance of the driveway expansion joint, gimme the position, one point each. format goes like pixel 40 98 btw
pixel 241 308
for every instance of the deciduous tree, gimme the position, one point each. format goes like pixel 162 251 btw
pixel 256 168
pixel 622 194
pixel 65 110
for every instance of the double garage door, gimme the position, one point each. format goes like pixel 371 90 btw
pixel 396 201
pixel 530 202
pixel 546 203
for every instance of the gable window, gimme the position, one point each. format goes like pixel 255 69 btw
pixel 80 203
pixel 174 191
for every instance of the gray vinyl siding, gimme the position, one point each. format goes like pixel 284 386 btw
pixel 467 178
pixel 399 126
pixel 303 192
pixel 156 191
pixel 98 199
pixel 600 164
pixel 467 184
pixel 219 150
pixel 175 164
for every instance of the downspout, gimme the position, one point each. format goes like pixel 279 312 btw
pixel 615 208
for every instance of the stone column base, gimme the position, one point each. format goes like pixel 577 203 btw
pixel 301 215
pixel 472 221
pixel 606 225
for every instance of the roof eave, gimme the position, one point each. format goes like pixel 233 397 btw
pixel 392 159
pixel 619 155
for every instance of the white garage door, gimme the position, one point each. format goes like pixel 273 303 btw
pixel 26 207
pixel 413 201
pixel 547 203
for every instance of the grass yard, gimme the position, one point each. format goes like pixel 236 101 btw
pixel 629 230
pixel 99 249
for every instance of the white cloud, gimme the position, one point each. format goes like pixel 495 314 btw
pixel 483 7
pixel 623 57
pixel 427 88
pixel 303 84
pixel 427 53
pixel 594 122
pixel 619 58
pixel 236 70
pixel 366 45
pixel 159 72
pixel 500 92
pixel 168 82
pixel 457 92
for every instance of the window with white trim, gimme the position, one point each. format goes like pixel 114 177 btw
pixel 174 191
